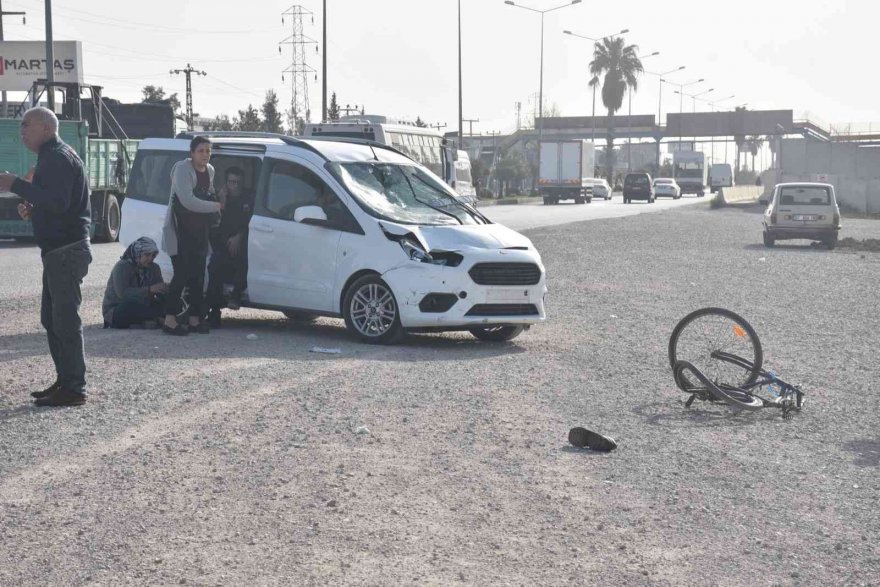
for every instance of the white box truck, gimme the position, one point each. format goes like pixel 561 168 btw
pixel 691 173
pixel 565 169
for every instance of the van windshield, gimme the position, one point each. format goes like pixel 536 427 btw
pixel 800 195
pixel 403 193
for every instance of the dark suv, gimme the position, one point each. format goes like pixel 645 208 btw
pixel 638 186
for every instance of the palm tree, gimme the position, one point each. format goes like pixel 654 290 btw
pixel 621 66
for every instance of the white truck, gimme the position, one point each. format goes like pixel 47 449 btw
pixel 720 176
pixel 565 169
pixel 690 172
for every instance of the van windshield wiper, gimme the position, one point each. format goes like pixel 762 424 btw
pixel 466 207
pixel 417 199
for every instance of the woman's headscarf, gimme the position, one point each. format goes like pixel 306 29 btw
pixel 142 246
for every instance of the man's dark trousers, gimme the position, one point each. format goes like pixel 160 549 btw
pixel 63 272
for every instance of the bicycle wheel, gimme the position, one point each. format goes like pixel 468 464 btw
pixel 705 331
pixel 732 395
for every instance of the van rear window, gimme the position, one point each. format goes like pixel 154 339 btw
pixel 806 195
pixel 151 175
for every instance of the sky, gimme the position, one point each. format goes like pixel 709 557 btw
pixel 400 57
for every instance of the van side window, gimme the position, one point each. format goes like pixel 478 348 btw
pixel 150 179
pixel 290 186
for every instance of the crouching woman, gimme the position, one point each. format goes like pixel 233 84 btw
pixel 135 294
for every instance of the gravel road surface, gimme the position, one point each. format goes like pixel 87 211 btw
pixel 218 460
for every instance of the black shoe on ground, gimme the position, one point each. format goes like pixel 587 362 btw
pixel 46 392
pixel 583 438
pixel 234 303
pixel 61 398
pixel 200 328
pixel 213 319
pixel 179 330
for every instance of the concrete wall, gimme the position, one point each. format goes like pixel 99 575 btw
pixel 853 171
pixel 853 194
pixel 741 193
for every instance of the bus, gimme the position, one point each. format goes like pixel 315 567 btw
pixel 422 144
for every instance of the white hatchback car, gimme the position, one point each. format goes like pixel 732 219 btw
pixel 666 186
pixel 356 230
pixel 601 189
pixel 802 211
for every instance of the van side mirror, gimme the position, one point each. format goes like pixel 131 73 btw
pixel 310 215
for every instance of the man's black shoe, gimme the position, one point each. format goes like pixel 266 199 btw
pixel 213 319
pixel 46 392
pixel 583 438
pixel 61 398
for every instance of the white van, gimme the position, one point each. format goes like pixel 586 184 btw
pixel 358 231
pixel 720 176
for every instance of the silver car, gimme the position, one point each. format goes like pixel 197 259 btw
pixel 666 186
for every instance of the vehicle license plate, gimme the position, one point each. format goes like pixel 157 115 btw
pixel 499 296
pixel 804 217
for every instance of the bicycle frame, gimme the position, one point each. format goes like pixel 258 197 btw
pixel 790 396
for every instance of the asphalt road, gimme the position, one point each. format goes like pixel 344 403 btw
pixel 526 216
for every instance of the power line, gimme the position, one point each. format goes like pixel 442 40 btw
pixel 299 68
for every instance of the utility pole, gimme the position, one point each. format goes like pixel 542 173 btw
pixel 470 122
pixel 324 72
pixel 4 112
pixel 349 109
pixel 299 68
pixel 460 122
pixel 438 126
pixel 50 57
pixel 188 71
pixel 518 115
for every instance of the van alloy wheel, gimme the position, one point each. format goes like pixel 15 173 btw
pixel 371 311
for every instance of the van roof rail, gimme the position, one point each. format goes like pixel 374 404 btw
pixel 286 139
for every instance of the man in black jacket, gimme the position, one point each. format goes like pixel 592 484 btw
pixel 57 203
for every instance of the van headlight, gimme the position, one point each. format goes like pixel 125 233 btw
pixel 415 252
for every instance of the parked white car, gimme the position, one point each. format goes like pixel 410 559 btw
pixel 802 211
pixel 666 186
pixel 358 231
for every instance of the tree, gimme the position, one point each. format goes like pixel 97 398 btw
pixel 271 117
pixel 333 109
pixel 248 120
pixel 156 95
pixel 421 123
pixel 512 168
pixel 620 65
pixel 221 122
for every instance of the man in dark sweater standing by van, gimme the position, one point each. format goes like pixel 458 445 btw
pixel 57 203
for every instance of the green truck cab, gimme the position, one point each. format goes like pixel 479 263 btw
pixel 107 164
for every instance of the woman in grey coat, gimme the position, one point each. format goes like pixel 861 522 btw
pixel 192 209
pixel 135 290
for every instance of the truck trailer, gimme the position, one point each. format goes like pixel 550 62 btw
pixel 565 169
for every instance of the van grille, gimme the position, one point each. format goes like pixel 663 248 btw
pixel 505 273
pixel 503 310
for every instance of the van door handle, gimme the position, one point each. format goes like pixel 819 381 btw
pixel 263 228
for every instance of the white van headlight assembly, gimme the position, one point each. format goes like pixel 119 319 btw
pixel 415 252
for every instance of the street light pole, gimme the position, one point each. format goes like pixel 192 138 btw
pixel 541 78
pixel 660 105
pixel 460 115
pixel 629 118
pixel 680 93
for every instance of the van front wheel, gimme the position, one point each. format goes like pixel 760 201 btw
pixel 371 312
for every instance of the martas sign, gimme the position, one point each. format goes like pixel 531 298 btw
pixel 24 62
